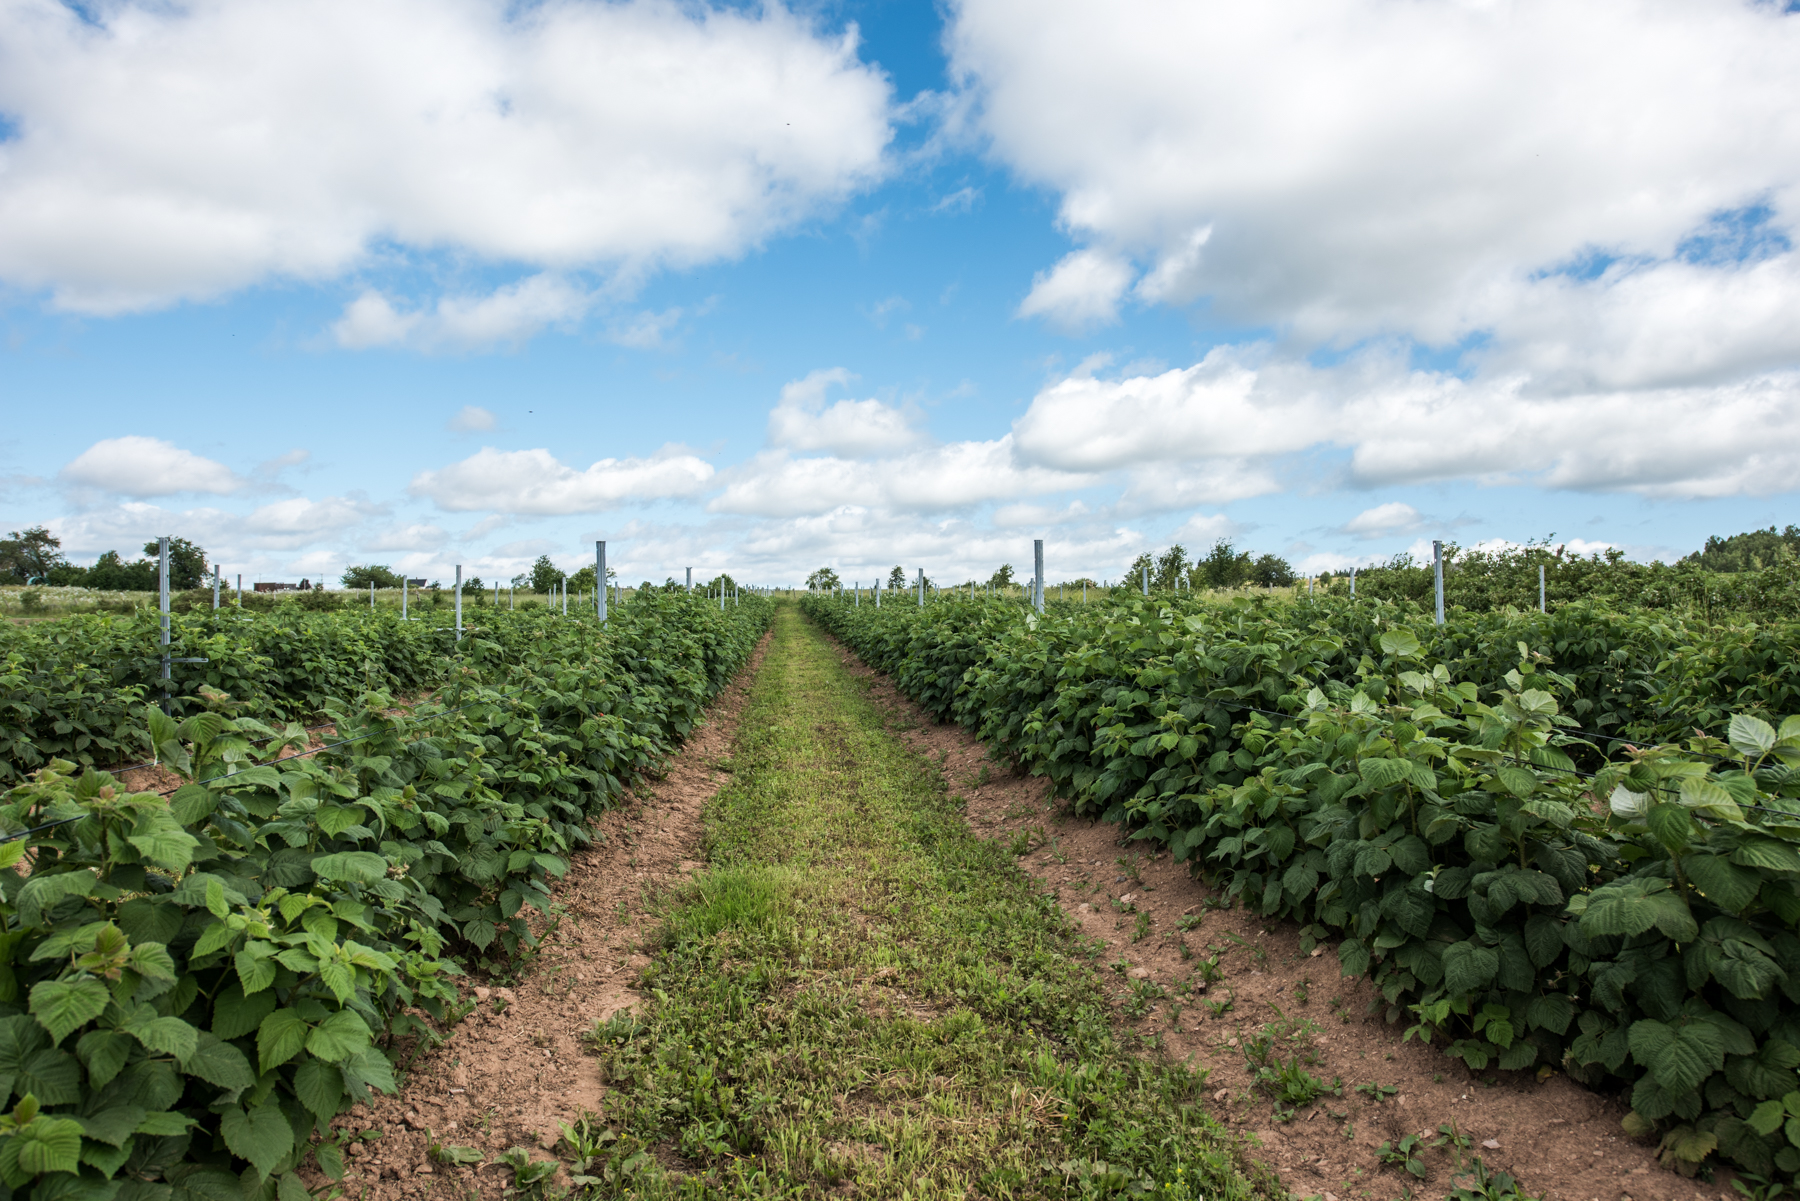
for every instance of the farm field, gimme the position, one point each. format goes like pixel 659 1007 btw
pixel 1057 946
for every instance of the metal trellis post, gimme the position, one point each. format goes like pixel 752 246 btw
pixel 1037 587
pixel 1437 572
pixel 600 580
pixel 459 602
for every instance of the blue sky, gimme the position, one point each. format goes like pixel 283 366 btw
pixel 761 289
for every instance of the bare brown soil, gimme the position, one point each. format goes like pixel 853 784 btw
pixel 1562 1141
pixel 515 1067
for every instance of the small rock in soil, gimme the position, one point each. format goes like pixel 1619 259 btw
pixel 1139 973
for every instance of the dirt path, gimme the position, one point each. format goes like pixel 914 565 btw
pixel 1562 1141
pixel 515 1067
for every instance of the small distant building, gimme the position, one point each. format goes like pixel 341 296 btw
pixel 418 583
pixel 262 586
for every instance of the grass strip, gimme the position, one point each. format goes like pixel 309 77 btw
pixel 860 995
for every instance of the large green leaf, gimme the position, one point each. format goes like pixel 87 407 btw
pixel 261 1135
pixel 281 1036
pixel 320 1087
pixel 1469 966
pixel 362 866
pixel 338 1036
pixel 60 1006
pixel 220 1063
pixel 42 893
pixel 1750 736
pixel 1680 1057
pixel 1723 882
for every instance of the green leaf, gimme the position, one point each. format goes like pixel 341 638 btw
pixel 220 1063
pixel 1750 736
pixel 1768 1117
pixel 1384 773
pixel 320 1088
pixel 1469 966
pixel 361 866
pixel 169 1036
pixel 1706 796
pixel 254 973
pixel 60 1006
pixel 338 1036
pixel 104 1052
pixel 112 1126
pixel 1403 644
pixel 1543 940
pixel 1517 781
pixel 159 838
pixel 1670 825
pixel 29 1065
pixel 235 1015
pixel 280 1037
pixel 339 978
pixel 1551 1011
pixel 165 1125
pixel 48 1144
pixel 42 893
pixel 261 1135
pixel 1723 882
pixel 1680 1057
pixel 152 961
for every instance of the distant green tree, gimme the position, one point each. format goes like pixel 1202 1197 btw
pixel 545 575
pixel 1134 575
pixel 1271 571
pixel 823 580
pixel 30 555
pixel 112 574
pixel 371 573
pixel 1225 566
pixel 897 578
pixel 187 563
pixel 472 586
pixel 1170 567
pixel 1749 551
pixel 1003 577
pixel 722 580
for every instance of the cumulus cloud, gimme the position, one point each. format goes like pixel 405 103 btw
pixel 937 479
pixel 471 419
pixel 802 421
pixel 1395 517
pixel 415 535
pixel 536 482
pixel 135 465
pixel 1080 292
pixel 1243 409
pixel 1346 167
pixel 178 152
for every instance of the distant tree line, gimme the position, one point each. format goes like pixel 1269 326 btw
pixel 35 555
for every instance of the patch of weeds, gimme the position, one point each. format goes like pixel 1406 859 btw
pixel 612 1032
pixel 1219 1008
pixel 1479 1183
pixel 528 1175
pixel 453 1156
pixel 1284 1078
pixel 1377 1092
pixel 1210 969
pixel 1144 994
pixel 1188 921
pixel 1303 990
pixel 1142 931
pixel 1752 1187
pixel 1407 1153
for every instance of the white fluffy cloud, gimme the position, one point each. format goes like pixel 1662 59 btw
pixel 939 479
pixel 508 315
pixel 135 465
pixel 1391 518
pixel 536 482
pixel 1081 291
pixel 1238 408
pixel 167 152
pixel 803 421
pixel 1344 168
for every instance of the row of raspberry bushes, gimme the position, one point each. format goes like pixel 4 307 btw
pixel 192 986
pixel 1633 924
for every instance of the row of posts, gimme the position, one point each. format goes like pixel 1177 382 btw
pixel 1037 582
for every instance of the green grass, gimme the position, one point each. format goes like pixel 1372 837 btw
pixel 861 992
